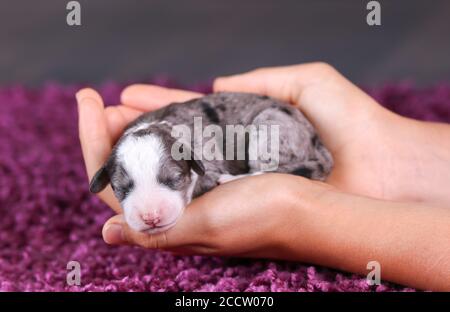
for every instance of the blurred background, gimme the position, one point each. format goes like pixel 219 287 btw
pixel 196 40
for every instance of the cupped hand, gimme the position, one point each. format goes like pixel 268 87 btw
pixel 362 136
pixel 375 151
pixel 251 217
pixel 244 217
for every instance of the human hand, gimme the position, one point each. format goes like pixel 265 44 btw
pixel 303 220
pixel 311 222
pixel 232 219
pixel 307 221
pixel 376 152
pixel 352 125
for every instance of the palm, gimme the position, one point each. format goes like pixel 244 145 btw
pixel 354 127
pixel 352 124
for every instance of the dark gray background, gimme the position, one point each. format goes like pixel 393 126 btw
pixel 197 40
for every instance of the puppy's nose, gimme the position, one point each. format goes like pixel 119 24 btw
pixel 151 218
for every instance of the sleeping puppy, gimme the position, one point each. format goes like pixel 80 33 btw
pixel 154 184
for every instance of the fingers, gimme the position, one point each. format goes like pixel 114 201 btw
pixel 320 92
pixel 150 97
pixel 285 83
pixel 93 131
pixel 118 117
pixel 117 232
pixel 189 231
pixel 94 137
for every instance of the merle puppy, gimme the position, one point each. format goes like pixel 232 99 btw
pixel 153 186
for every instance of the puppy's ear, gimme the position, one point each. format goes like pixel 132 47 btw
pixel 196 165
pixel 100 180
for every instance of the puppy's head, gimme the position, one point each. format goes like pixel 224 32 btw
pixel 152 187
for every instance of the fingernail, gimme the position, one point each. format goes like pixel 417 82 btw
pixel 79 100
pixel 78 96
pixel 112 234
pixel 217 82
pixel 126 91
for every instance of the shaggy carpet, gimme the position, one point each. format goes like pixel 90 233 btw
pixel 48 217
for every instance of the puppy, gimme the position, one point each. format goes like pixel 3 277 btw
pixel 154 185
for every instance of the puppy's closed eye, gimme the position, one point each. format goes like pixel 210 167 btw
pixel 122 189
pixel 126 188
pixel 173 181
pixel 121 183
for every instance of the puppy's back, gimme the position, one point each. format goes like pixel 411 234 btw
pixel 221 108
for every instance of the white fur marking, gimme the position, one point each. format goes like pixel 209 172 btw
pixel 141 158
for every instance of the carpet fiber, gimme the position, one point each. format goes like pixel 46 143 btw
pixel 48 217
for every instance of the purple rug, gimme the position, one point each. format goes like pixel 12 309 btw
pixel 48 217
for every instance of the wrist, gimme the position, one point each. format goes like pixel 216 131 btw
pixel 423 160
pixel 306 206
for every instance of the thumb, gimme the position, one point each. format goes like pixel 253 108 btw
pixel 117 232
pixel 317 89
pixel 95 138
pixel 286 83
pixel 187 231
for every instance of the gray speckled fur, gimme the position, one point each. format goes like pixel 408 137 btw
pixel 301 151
